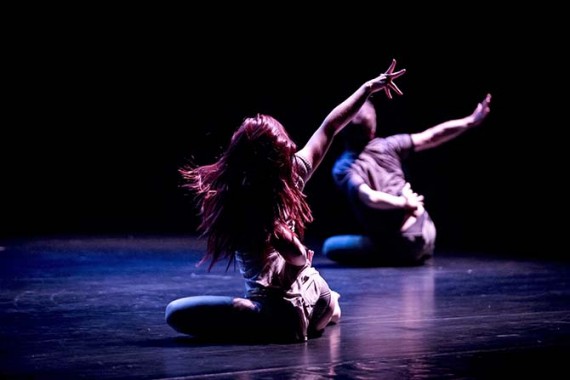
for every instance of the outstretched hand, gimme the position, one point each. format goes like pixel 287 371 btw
pixel 385 81
pixel 481 111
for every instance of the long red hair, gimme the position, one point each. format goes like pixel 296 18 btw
pixel 252 189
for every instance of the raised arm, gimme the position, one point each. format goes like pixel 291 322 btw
pixel 437 135
pixel 340 116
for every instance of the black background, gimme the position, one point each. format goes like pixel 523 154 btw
pixel 105 105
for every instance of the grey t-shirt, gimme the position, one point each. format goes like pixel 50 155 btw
pixel 379 166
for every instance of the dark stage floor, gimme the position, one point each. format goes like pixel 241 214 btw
pixel 94 308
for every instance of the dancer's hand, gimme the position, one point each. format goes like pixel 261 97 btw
pixel 385 81
pixel 481 111
pixel 310 254
pixel 414 201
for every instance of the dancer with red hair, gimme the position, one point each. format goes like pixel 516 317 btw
pixel 254 213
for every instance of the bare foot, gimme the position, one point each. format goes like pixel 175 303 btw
pixel 243 304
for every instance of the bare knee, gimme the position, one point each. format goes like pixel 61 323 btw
pixel 336 313
pixel 331 314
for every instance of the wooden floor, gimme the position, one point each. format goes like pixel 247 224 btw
pixel 93 308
